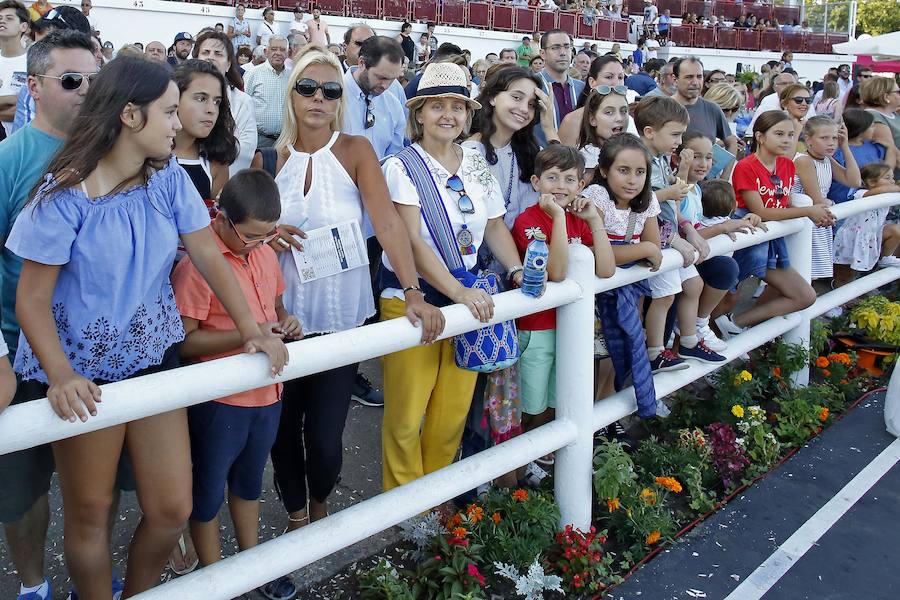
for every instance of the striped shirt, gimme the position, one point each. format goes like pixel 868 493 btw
pixel 822 237
pixel 267 87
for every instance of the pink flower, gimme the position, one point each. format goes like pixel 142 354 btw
pixel 472 570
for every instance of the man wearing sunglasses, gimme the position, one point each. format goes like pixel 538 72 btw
pixel 55 65
pixel 267 85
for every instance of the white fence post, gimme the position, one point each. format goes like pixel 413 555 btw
pixel 799 248
pixel 575 393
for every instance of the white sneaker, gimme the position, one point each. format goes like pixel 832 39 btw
pixel 709 337
pixel 534 474
pixel 834 313
pixel 728 327
pixel 662 411
pixel 889 261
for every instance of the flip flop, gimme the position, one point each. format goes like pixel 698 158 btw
pixel 182 547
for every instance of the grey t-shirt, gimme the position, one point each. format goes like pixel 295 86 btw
pixel 707 118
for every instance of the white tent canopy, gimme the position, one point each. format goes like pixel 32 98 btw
pixel 880 47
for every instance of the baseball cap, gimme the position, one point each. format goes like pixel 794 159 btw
pixel 183 36
pixel 66 17
pixel 108 45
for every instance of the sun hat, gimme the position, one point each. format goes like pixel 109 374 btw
pixel 443 80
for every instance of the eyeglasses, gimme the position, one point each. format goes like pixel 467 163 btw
pixel 560 47
pixel 778 187
pixel 331 90
pixel 73 81
pixel 798 100
pixel 464 204
pixel 370 114
pixel 256 241
pixel 605 90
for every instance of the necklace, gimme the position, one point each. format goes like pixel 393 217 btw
pixel 512 174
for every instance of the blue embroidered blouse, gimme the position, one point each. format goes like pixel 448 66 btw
pixel 113 304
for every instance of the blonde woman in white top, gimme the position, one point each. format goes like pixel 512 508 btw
pixel 424 382
pixel 326 177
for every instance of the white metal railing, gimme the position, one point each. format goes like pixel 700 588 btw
pixel 570 435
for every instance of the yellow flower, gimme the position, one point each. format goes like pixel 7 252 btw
pixel 653 538
pixel 648 496
pixel 738 411
pixel 746 376
pixel 612 504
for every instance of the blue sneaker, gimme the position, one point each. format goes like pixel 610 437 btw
pixel 702 353
pixel 38 595
pixel 117 586
pixel 280 589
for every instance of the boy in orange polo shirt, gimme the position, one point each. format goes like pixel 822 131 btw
pixel 231 437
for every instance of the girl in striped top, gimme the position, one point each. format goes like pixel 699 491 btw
pixel 815 171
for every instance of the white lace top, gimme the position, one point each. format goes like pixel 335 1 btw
pixel 342 301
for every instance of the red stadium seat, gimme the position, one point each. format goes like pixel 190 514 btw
pixel 760 11
pixel 604 30
pixel 620 31
pixel 698 7
pixel 395 10
pixel 331 7
pixel 682 35
pixel 747 39
pixel 770 41
pixel 479 15
pixel 259 3
pixel 787 14
pixel 726 38
pixel 729 11
pixel 635 7
pixel 792 41
pixel 676 6
pixel 585 31
pixel 367 9
pixel 832 39
pixel 424 11
pixel 546 20
pixel 568 21
pixel 503 17
pixel 453 12
pixel 705 37
pixel 285 5
pixel 525 20
pixel 816 42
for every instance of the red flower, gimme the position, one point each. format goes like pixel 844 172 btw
pixel 472 570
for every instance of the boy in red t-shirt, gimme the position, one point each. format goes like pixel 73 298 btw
pixel 231 437
pixel 564 217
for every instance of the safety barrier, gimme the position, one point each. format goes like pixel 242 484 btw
pixel 570 435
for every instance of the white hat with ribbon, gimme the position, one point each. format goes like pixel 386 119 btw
pixel 443 80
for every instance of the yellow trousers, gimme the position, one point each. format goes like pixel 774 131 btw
pixel 422 382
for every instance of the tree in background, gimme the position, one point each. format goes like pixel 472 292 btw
pixel 873 16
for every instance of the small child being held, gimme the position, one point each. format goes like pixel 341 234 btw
pixel 864 240
pixel 563 217
pixel 231 437
pixel 662 122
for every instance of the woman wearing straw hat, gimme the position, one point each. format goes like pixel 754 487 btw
pixel 424 382
pixel 326 177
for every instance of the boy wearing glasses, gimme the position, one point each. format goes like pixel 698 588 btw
pixel 231 437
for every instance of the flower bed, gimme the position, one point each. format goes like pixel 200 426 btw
pixel 716 442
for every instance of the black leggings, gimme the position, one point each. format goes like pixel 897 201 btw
pixel 309 447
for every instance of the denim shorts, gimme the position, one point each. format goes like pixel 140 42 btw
pixel 758 259
pixel 229 445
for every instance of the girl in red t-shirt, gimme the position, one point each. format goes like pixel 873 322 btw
pixel 762 183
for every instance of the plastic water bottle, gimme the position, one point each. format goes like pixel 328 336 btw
pixel 535 264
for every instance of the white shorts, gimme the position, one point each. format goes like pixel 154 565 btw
pixel 669 284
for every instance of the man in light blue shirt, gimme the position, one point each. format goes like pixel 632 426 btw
pixel 370 112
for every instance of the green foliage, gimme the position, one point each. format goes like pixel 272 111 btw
pixel 383 582
pixel 613 470
pixel 511 530
pixel 702 499
pixel 876 17
pixel 452 573
pixel 758 440
pixel 838 15
pixel 802 415
pixel 643 519
pixel 880 318
pixel 579 560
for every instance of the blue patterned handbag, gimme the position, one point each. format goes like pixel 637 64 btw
pixel 487 349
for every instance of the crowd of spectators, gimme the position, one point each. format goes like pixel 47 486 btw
pixel 223 151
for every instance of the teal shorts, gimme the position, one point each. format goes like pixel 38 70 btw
pixel 537 370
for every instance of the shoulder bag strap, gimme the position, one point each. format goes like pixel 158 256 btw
pixel 629 230
pixel 433 211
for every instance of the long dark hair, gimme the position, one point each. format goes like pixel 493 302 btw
pixel 596 66
pixel 765 122
pixel 233 75
pixel 523 143
pixel 608 153
pixel 588 133
pixel 122 81
pixel 220 145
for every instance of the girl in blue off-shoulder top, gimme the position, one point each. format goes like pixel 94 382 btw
pixel 95 305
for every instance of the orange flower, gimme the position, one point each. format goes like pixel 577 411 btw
pixel 520 495
pixel 648 496
pixel 844 382
pixel 455 520
pixel 842 358
pixel 822 362
pixel 777 372
pixel 496 518
pixel 826 372
pixel 823 414
pixel 476 513
pixel 460 532
pixel 670 483
pixel 612 504
pixel 653 538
